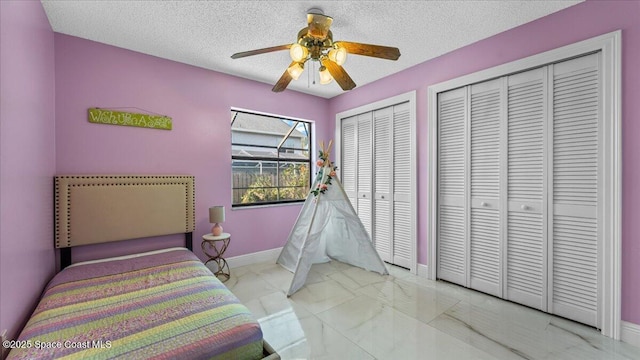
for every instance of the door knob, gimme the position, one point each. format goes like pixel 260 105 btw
pixel 524 207
pixel 483 204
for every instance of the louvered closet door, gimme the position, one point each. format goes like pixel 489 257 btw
pixel 402 174
pixel 365 169
pixel 349 163
pixel 525 267
pixel 452 224
pixel 485 260
pixel 382 200
pixel 576 147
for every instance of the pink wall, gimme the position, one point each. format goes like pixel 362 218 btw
pixel 576 23
pixel 27 162
pixel 95 75
pixel 91 74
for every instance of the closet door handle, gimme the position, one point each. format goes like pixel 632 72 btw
pixel 382 196
pixel 483 204
pixel 524 207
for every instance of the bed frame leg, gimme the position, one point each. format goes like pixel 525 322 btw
pixel 188 238
pixel 65 257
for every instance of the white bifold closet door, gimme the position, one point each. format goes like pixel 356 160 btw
pixel 364 151
pixel 356 141
pixel 518 189
pixel 377 171
pixel 526 247
pixel 392 184
pixel 382 179
pixel 577 144
pixel 452 203
pixel 485 206
pixel 401 184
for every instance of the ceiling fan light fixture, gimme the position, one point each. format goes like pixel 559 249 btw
pixel 339 55
pixel 295 70
pixel 325 76
pixel 298 52
pixel 315 42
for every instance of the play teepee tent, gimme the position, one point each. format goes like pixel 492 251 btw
pixel 327 228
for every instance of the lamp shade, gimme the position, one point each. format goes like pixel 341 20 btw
pixel 298 52
pixel 216 214
pixel 325 76
pixel 295 70
pixel 339 55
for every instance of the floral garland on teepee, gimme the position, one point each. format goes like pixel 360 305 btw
pixel 324 164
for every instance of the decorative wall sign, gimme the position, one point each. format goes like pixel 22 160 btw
pixel 105 116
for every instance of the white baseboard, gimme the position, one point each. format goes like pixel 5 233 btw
pixel 630 333
pixel 423 271
pixel 270 255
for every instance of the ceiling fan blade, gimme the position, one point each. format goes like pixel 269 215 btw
pixel 378 51
pixel 260 51
pixel 319 25
pixel 284 80
pixel 339 74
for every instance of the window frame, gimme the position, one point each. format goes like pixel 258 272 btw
pixel 278 160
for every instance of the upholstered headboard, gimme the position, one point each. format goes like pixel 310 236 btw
pixel 93 209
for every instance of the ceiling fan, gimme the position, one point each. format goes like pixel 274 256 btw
pixel 315 42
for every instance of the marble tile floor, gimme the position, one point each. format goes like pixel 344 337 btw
pixel 344 312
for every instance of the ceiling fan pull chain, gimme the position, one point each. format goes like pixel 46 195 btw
pixel 313 71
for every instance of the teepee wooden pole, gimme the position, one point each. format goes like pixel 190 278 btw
pixel 326 153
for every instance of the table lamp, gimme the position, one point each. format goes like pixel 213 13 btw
pixel 216 216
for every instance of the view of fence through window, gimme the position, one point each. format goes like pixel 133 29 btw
pixel 271 159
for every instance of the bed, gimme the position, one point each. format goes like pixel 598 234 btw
pixel 162 304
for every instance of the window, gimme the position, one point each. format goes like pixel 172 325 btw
pixel 271 159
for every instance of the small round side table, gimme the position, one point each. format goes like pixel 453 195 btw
pixel 214 247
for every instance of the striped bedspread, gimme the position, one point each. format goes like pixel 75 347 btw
pixel 160 306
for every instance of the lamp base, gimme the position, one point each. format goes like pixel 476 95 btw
pixel 216 230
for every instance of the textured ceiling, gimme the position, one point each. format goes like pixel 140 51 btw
pixel 207 33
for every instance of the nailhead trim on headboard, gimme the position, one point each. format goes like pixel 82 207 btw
pixel 64 183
